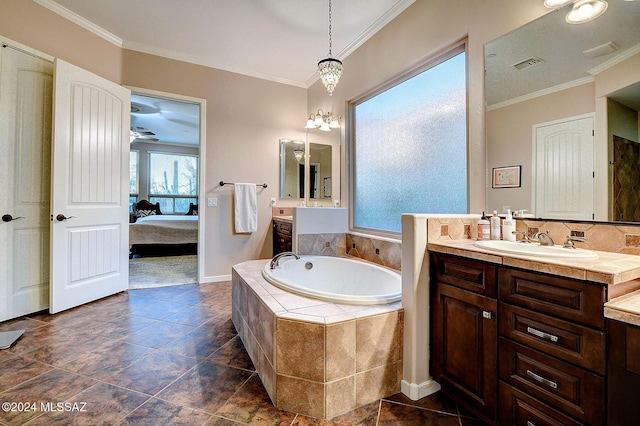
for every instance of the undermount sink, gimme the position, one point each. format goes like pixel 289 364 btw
pixel 533 249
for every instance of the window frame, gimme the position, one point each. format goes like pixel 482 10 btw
pixel 136 194
pixel 426 63
pixel 173 197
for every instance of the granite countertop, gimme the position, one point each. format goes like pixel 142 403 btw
pixel 283 218
pixel 624 308
pixel 609 268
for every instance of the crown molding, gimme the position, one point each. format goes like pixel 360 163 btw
pixel 543 92
pixel 615 60
pixel 79 20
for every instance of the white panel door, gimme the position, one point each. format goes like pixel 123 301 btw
pixel 25 155
pixel 563 169
pixel 90 184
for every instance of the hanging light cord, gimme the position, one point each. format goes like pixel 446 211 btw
pixel 329 28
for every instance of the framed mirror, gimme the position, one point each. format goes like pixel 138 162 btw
pixel 292 164
pixel 550 72
pixel 320 172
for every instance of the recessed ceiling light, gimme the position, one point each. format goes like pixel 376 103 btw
pixel 586 10
pixel 554 4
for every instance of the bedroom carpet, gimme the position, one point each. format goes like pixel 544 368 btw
pixel 148 272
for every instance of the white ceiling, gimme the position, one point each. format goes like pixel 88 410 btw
pixel 279 40
pixel 561 46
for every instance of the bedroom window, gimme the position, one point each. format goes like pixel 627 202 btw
pixel 408 146
pixel 133 179
pixel 173 181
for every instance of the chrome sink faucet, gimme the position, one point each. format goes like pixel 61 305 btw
pixel 544 238
pixel 277 257
pixel 569 243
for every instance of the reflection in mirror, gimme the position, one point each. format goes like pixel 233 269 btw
pixel 548 73
pixel 320 185
pixel 291 169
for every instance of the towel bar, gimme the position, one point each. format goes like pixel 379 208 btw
pixel 223 183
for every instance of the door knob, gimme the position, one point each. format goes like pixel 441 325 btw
pixel 9 218
pixel 62 217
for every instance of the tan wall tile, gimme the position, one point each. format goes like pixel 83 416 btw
pixel 377 383
pixel 266 331
pixel 340 350
pixel 300 396
pixel 300 349
pixel 340 396
pixel 376 340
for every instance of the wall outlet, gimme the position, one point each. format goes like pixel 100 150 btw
pixel 212 202
pixel 505 208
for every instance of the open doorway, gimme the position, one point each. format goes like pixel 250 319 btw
pixel 165 176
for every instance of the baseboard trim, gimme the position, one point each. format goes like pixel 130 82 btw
pixel 415 391
pixel 215 279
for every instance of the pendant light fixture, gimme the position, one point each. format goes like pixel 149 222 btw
pixel 330 69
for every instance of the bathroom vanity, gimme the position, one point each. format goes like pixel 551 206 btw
pixel 522 339
pixel 282 235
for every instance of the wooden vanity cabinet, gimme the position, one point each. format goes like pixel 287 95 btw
pixel 552 348
pixel 281 236
pixel 464 332
pixel 623 376
pixel 517 347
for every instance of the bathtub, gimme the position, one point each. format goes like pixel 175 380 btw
pixel 336 279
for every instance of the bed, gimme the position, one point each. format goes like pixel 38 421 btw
pixel 163 235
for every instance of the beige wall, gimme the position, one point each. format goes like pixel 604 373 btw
pixel 30 24
pixel 427 27
pixel 509 138
pixel 246 117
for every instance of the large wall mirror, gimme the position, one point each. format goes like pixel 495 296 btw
pixel 309 170
pixel 292 175
pixel 543 78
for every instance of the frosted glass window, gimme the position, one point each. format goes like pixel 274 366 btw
pixel 410 148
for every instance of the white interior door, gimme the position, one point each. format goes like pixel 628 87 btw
pixel 25 155
pixel 563 156
pixel 90 176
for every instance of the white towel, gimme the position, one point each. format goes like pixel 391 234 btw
pixel 246 208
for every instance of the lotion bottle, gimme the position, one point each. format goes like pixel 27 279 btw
pixel 495 226
pixel 483 228
pixel 508 226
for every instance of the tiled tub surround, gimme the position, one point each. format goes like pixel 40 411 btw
pixel 316 358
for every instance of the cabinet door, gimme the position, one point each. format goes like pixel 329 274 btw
pixel 465 345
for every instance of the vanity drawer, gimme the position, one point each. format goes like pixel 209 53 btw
pixel 571 389
pixel 518 408
pixel 564 298
pixel 569 341
pixel 465 273
pixel 283 228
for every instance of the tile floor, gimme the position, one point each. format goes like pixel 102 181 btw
pixel 164 356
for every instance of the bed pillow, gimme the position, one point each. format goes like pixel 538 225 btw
pixel 143 213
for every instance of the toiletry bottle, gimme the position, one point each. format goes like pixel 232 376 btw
pixel 483 228
pixel 508 226
pixel 495 226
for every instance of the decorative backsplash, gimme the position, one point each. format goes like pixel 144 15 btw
pixel 381 252
pixel 611 237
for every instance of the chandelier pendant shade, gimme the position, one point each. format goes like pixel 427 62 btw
pixel 330 69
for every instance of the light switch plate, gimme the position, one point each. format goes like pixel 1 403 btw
pixel 212 202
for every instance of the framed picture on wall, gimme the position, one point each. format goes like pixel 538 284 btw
pixel 506 177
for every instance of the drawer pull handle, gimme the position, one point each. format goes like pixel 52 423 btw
pixel 542 334
pixel 541 379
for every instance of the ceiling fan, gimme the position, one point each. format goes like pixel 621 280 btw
pixel 142 133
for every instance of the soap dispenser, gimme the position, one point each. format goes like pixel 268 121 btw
pixel 495 226
pixel 483 228
pixel 508 226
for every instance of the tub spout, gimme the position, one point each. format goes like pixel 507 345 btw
pixel 277 257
